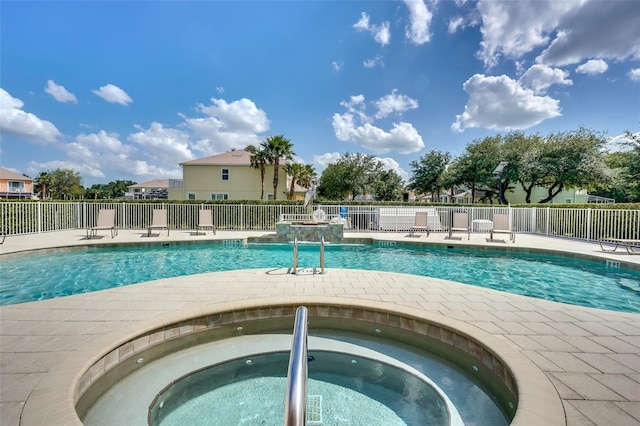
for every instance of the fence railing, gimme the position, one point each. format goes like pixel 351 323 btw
pixel 17 218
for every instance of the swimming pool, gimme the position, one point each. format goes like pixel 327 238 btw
pixel 51 274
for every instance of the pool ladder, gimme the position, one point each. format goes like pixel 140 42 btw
pixel 294 270
pixel 295 409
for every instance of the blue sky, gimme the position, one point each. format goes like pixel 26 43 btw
pixel 128 90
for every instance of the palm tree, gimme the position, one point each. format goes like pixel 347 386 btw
pixel 43 182
pixel 277 147
pixel 258 160
pixel 302 174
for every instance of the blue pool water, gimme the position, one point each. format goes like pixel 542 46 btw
pixel 48 275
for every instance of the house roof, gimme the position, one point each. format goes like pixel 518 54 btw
pixel 156 183
pixel 237 157
pixel 8 174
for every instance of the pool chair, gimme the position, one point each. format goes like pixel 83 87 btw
pixel 106 220
pixel 205 220
pixel 159 221
pixel 627 243
pixel 460 223
pixel 420 223
pixel 501 226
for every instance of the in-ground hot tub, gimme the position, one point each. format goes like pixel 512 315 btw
pixel 396 336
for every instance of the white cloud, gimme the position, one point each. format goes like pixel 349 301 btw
pixel 634 74
pixel 381 33
pixel 389 163
pixel 103 142
pixel 83 169
pixel 15 121
pixel 355 125
pixel 220 89
pixel 113 94
pixel 500 103
pixel 336 66
pixel 540 77
pixel 227 125
pixel 165 146
pixel 621 143
pixel 455 24
pixel 512 28
pixel 594 29
pixel 373 62
pixel 59 93
pixel 394 102
pixel 593 67
pixel 323 160
pixel 420 20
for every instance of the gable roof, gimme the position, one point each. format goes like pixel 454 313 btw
pixel 237 157
pixel 8 174
pixel 156 183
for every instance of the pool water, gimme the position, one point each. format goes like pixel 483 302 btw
pixel 342 389
pixel 581 282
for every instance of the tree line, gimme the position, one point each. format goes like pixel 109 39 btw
pixel 557 161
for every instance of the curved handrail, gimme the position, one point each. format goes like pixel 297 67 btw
pixel 295 256
pixel 322 254
pixel 295 411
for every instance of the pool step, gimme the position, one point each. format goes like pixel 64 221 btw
pixel 314 410
pixel 306 271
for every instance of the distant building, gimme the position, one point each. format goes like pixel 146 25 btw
pixel 15 185
pixel 228 176
pixel 157 189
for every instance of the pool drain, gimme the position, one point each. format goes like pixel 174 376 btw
pixel 314 410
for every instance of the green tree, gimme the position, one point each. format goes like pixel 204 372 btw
pixel 258 160
pixel 302 174
pixel 65 184
pixel 428 173
pixel 349 176
pixel 573 159
pixel 474 168
pixel 388 186
pixel 277 148
pixel 43 182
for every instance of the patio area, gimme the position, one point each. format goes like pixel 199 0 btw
pixel 581 365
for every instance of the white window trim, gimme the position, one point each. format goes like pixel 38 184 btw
pixel 222 174
pixel 219 196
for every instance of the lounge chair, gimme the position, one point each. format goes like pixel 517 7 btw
pixel 629 244
pixel 460 223
pixel 106 220
pixel 205 220
pixel 501 226
pixel 421 223
pixel 159 221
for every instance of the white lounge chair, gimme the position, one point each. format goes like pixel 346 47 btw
pixel 420 223
pixel 159 221
pixel 205 220
pixel 106 220
pixel 627 243
pixel 460 223
pixel 501 226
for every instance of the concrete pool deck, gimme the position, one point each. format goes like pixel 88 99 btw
pixel 590 356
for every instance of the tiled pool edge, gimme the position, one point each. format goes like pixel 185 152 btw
pixel 533 387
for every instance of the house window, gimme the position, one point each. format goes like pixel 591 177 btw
pixel 270 197
pixel 191 196
pixel 16 186
pixel 567 200
pixel 219 196
pixel 225 174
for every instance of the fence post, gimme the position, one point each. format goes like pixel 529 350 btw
pixel 40 218
pixel 588 224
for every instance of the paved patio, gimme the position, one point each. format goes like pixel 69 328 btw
pixel 590 358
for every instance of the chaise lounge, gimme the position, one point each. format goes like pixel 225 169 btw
pixel 460 223
pixel 205 220
pixel 501 226
pixel 628 244
pixel 159 221
pixel 106 220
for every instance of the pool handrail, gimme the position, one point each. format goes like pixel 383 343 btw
pixel 295 411
pixel 322 254
pixel 294 270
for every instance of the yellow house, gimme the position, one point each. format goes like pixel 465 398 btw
pixel 227 176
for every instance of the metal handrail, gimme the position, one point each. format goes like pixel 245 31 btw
pixel 322 254
pixel 295 411
pixel 295 256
